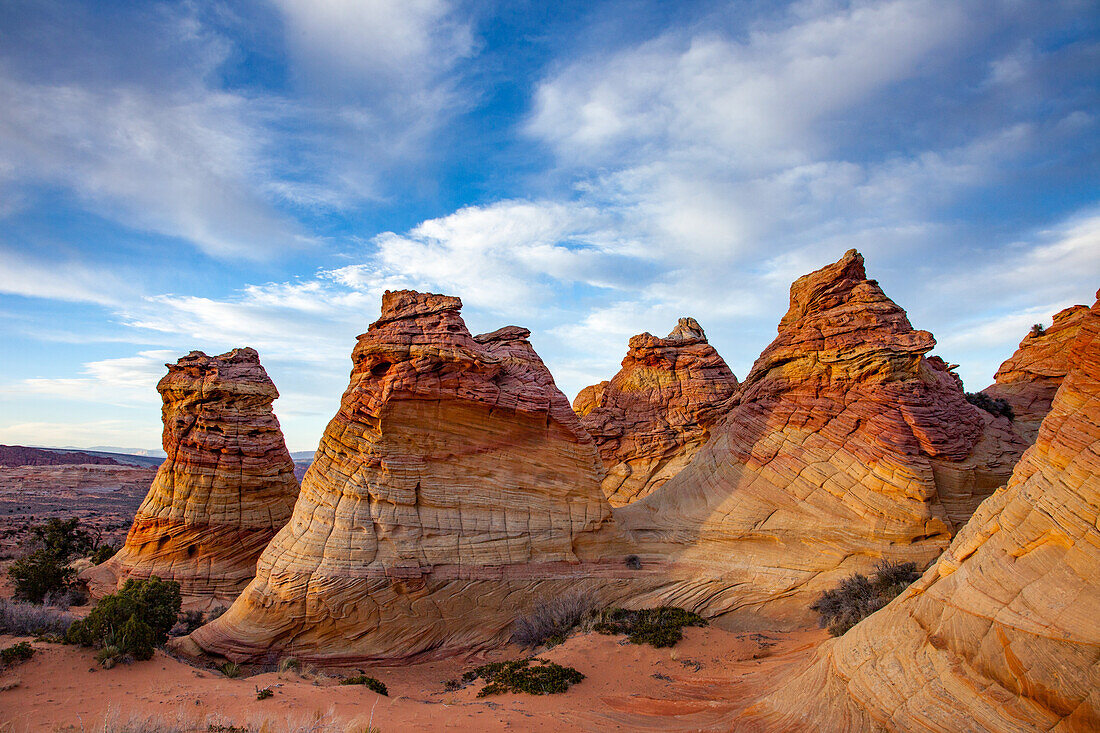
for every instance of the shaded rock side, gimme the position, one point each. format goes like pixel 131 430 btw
pixel 454 487
pixel 1001 634
pixel 225 489
pixel 653 416
pixel 1031 376
pixel 847 445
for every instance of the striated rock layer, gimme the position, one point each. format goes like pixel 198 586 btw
pixel 653 416
pixel 1031 376
pixel 454 487
pixel 847 445
pixel 225 489
pixel 1002 633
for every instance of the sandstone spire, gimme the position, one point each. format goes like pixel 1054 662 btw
pixel 847 445
pixel 653 416
pixel 1001 633
pixel 1031 376
pixel 225 489
pixel 453 487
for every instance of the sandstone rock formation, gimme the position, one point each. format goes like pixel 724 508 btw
pixel 225 489
pixel 653 416
pixel 1001 634
pixel 847 445
pixel 1031 376
pixel 454 487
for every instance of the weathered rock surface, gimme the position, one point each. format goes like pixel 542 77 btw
pixel 847 445
pixel 1001 634
pixel 1031 376
pixel 454 487
pixel 653 416
pixel 225 489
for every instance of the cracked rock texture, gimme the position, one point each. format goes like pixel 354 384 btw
pixel 454 487
pixel 656 413
pixel 1002 633
pixel 847 445
pixel 225 489
pixel 1029 379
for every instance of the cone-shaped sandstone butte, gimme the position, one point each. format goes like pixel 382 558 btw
pixel 225 489
pixel 454 487
pixel 847 445
pixel 656 413
pixel 1002 633
pixel 1029 379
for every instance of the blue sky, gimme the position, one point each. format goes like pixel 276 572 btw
pixel 206 175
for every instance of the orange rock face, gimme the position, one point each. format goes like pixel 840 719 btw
pixel 1029 379
pixel 653 416
pixel 847 445
pixel 225 489
pixel 454 487
pixel 1001 634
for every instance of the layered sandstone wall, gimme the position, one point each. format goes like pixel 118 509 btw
pixel 453 489
pixel 1031 376
pixel 654 415
pixel 847 445
pixel 225 489
pixel 1001 634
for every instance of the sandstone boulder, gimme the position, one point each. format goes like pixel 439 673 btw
pixel 454 488
pixel 1031 376
pixel 653 416
pixel 225 489
pixel 847 445
pixel 1002 633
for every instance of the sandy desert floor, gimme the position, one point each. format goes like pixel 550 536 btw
pixel 696 685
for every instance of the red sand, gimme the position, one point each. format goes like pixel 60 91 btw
pixel 700 684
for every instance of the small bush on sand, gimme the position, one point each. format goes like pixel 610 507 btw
pixel 858 596
pixel 552 619
pixel 992 405
pixel 232 670
pixel 658 627
pixel 135 619
pixel 287 664
pixel 532 675
pixel 44 571
pixel 27 619
pixel 16 653
pixel 263 694
pixel 369 682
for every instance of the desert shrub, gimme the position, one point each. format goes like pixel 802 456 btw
pixel 103 553
pixel 858 596
pixel 135 619
pixel 230 670
pixel 369 682
pixel 552 619
pixel 532 675
pixel 1038 329
pixel 67 597
pixel 187 622
pixel 40 574
pixel 658 627
pixel 26 619
pixel 288 663
pixel 45 570
pixel 215 613
pixel 633 562
pixel 992 405
pixel 20 652
pixel 264 693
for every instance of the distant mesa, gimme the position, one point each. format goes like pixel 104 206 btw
pixel 846 445
pixel 1001 633
pixel 453 489
pixel 651 418
pixel 1028 380
pixel 19 455
pixel 225 489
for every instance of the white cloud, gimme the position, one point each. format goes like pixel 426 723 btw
pixel 60 280
pixel 93 432
pixel 123 381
